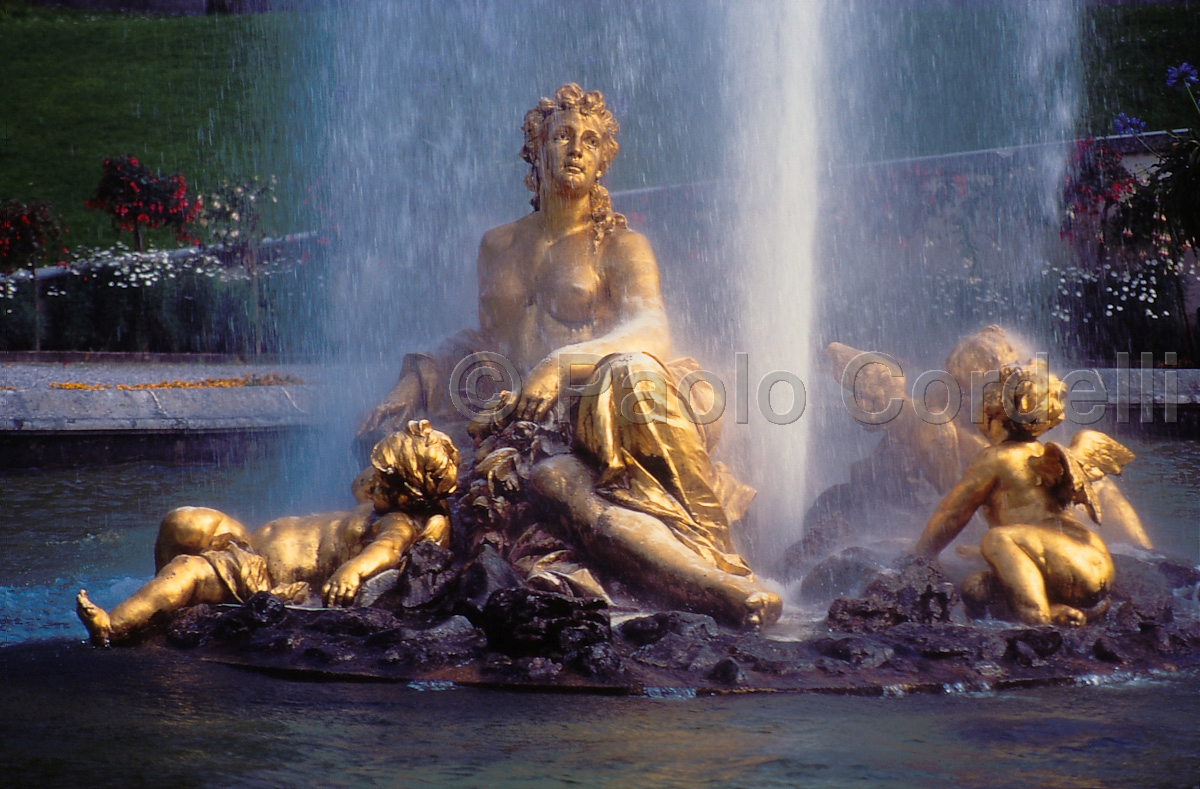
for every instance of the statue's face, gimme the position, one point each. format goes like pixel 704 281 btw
pixel 386 498
pixel 571 155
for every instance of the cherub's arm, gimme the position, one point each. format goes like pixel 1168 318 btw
pixel 956 508
pixel 874 386
pixel 397 533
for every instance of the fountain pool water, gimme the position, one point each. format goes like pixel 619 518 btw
pixel 71 714
pixel 122 718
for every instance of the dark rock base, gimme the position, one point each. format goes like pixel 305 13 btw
pixel 907 633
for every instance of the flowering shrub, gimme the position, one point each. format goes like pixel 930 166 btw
pixel 1097 182
pixel 1139 234
pixel 137 198
pixel 1175 183
pixel 29 234
pixel 233 213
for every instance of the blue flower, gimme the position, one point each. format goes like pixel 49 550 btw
pixel 1184 74
pixel 1125 124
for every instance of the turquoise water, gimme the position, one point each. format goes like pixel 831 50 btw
pixel 74 716
pixel 94 528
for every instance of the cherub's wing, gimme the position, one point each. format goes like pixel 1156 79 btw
pixel 1065 477
pixel 1099 454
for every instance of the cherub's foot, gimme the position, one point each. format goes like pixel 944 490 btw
pixel 763 608
pixel 1066 615
pixel 1098 610
pixel 94 618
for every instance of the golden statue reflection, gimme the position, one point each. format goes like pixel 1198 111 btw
pixel 571 281
pixel 204 556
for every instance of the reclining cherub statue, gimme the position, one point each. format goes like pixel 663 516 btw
pixel 1043 561
pixel 204 556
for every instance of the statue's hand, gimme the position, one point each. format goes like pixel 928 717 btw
pixel 342 588
pixel 394 411
pixel 539 391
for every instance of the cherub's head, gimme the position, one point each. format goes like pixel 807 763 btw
pixel 988 349
pixel 417 466
pixel 1027 402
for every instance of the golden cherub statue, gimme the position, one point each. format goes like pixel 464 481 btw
pixel 570 286
pixel 204 556
pixel 940 452
pixel 1044 561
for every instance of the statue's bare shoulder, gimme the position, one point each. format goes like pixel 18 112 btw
pixel 500 240
pixel 629 245
pixel 986 468
pixel 629 262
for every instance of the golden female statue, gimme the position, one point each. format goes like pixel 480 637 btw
pixel 571 282
pixel 1042 559
pixel 204 556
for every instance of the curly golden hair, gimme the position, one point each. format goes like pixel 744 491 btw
pixel 589 104
pixel 988 349
pixel 1028 400
pixel 418 462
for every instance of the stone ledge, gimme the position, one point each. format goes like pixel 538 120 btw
pixel 1184 391
pixel 159 410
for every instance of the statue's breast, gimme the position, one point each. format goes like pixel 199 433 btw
pixel 570 293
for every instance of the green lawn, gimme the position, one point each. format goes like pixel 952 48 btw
pixel 1127 50
pixel 203 95
pixel 180 93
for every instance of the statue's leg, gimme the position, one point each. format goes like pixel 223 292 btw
pixel 642 550
pixel 1079 573
pixel 186 580
pixel 1007 551
pixel 190 531
pixel 1047 574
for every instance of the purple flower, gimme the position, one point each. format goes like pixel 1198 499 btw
pixel 1184 74
pixel 1125 124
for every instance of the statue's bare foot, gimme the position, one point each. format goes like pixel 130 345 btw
pixel 1098 610
pixel 94 618
pixel 1066 615
pixel 763 608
